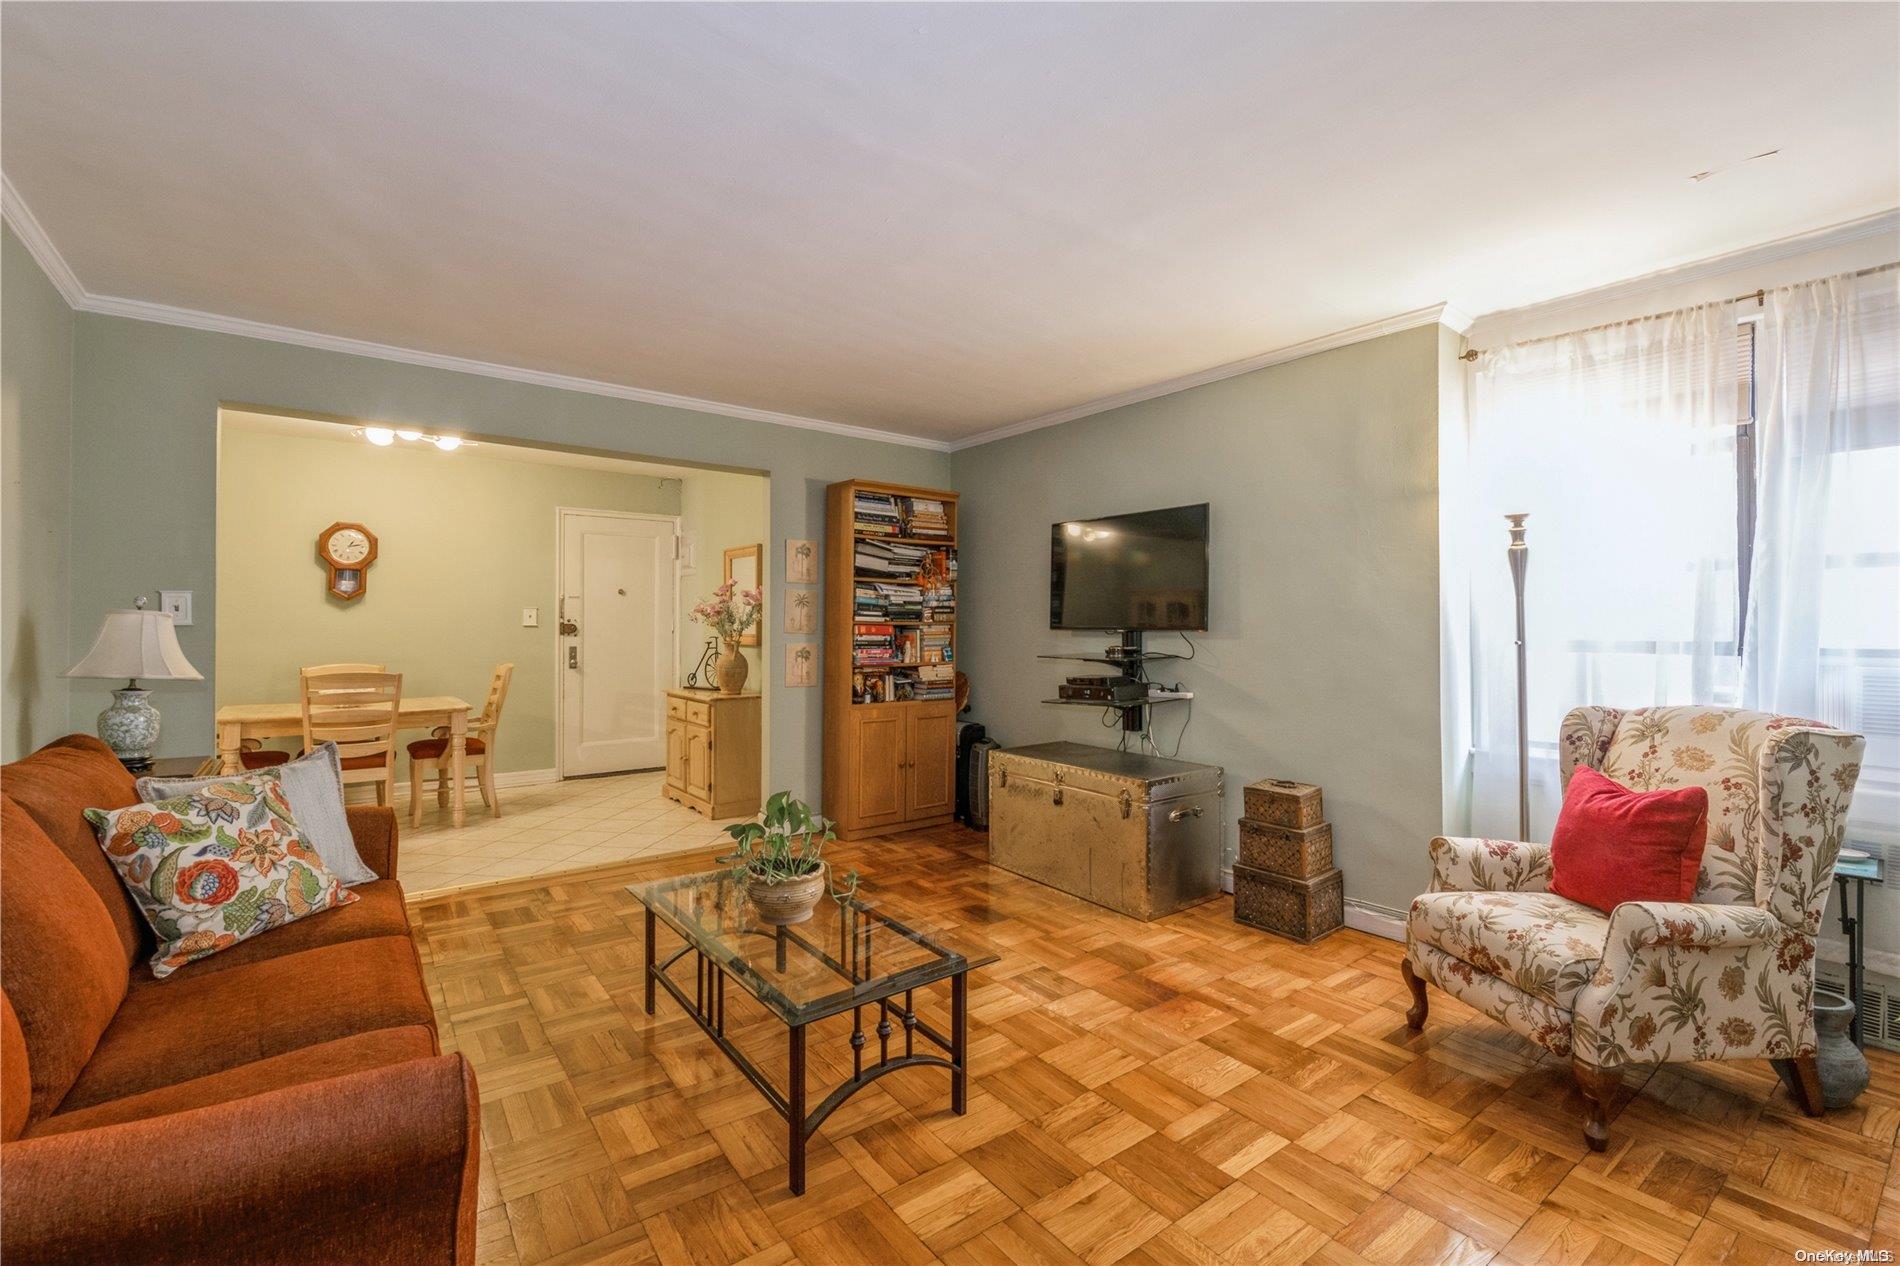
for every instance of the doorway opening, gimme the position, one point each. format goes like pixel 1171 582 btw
pixel 486 551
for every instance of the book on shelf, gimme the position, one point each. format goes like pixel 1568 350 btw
pixel 931 681
pixel 925 516
pixel 886 601
pixel 935 644
pixel 877 512
pixel 873 644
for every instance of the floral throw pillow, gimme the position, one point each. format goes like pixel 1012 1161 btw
pixel 216 866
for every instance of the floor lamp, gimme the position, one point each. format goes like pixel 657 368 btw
pixel 1518 555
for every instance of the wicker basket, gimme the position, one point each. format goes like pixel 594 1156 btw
pixel 782 904
pixel 1282 802
pixel 1287 850
pixel 1300 909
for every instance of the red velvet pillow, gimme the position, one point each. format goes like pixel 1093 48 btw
pixel 1614 845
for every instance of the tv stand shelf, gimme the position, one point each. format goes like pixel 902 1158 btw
pixel 1129 660
pixel 1116 661
pixel 1159 696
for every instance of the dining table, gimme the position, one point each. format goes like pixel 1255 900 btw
pixel 239 721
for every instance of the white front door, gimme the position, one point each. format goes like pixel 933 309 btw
pixel 617 639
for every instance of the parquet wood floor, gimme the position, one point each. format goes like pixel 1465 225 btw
pixel 1169 1094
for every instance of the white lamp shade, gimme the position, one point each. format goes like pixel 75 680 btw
pixel 135 644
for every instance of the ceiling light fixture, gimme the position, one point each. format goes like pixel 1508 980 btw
pixel 383 437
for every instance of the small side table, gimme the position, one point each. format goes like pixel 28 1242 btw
pixel 1859 871
pixel 171 767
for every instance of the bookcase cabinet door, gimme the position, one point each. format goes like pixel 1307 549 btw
pixel 930 760
pixel 877 765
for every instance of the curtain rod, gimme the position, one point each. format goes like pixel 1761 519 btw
pixel 1759 296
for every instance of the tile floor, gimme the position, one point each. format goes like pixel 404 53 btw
pixel 547 829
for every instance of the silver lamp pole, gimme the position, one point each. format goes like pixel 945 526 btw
pixel 1518 554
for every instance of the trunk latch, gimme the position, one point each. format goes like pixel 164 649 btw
pixel 1128 803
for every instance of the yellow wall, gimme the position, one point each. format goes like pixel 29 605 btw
pixel 466 540
pixel 724 511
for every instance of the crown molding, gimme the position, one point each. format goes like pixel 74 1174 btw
pixel 41 247
pixel 1433 315
pixel 1880 222
pixel 33 236
pixel 164 314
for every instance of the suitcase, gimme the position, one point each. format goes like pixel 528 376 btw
pixel 1135 833
pixel 975 788
pixel 969 733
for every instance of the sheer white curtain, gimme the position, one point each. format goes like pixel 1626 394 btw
pixel 1620 444
pixel 1823 636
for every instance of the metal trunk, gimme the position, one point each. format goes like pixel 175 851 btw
pixel 1138 834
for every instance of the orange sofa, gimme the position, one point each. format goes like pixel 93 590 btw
pixel 285 1100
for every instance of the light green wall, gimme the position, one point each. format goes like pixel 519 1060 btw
pixel 465 540
pixel 1322 661
pixel 36 403
pixel 145 459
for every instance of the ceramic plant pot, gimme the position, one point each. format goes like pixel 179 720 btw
pixel 792 901
pixel 1841 1066
pixel 732 670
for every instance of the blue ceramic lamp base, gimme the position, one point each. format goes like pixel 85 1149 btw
pixel 130 726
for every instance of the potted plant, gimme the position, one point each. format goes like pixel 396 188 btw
pixel 779 859
pixel 729 611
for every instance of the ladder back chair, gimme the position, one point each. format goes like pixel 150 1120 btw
pixel 357 710
pixel 252 753
pixel 430 757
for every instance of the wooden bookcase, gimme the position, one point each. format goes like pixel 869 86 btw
pixel 890 763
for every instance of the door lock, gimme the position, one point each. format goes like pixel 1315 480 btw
pixel 569 629
pixel 573 657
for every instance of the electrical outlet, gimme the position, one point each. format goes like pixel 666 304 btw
pixel 531 617
pixel 177 604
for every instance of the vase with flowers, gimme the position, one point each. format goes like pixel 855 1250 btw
pixel 729 612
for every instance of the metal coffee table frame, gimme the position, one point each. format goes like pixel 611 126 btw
pixel 860 988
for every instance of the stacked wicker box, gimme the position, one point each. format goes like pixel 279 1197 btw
pixel 1284 880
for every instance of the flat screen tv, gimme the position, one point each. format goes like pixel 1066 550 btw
pixel 1143 571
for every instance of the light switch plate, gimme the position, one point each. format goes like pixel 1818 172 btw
pixel 177 604
pixel 531 617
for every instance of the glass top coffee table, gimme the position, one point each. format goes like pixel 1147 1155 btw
pixel 851 955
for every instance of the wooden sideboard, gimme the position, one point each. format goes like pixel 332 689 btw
pixel 712 752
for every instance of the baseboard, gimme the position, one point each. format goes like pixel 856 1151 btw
pixel 510 778
pixel 1362 916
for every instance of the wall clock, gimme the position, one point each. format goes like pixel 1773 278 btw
pixel 347 549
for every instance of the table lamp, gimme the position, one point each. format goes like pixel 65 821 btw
pixel 134 644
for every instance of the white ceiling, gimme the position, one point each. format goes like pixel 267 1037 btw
pixel 928 219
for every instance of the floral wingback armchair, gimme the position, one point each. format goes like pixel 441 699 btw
pixel 1729 975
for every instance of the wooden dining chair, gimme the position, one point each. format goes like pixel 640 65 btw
pixel 252 754
pixel 356 709
pixel 430 757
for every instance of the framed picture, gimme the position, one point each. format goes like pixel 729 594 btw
pixel 801 611
pixel 801 664
pixel 801 562
pixel 745 568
